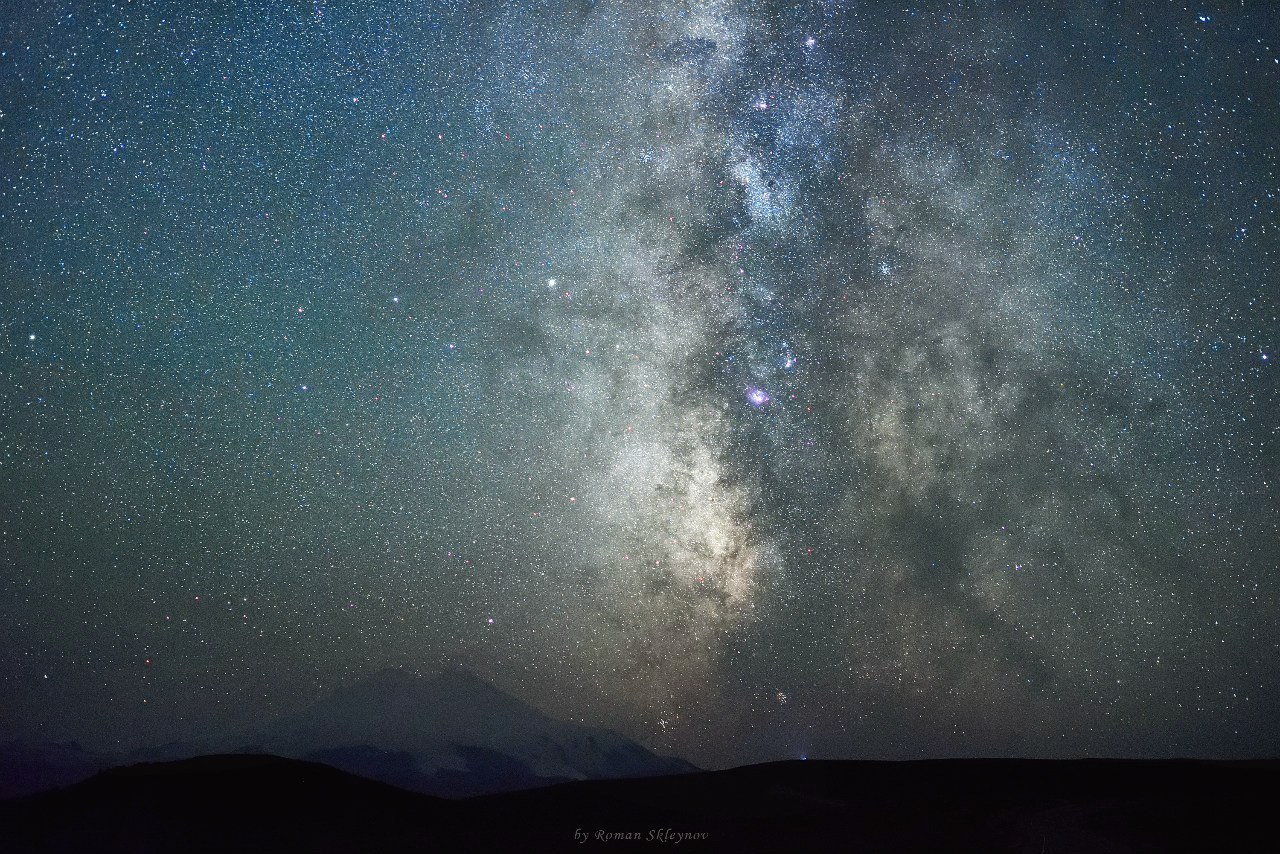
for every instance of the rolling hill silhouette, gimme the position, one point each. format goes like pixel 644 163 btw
pixel 262 803
pixel 364 769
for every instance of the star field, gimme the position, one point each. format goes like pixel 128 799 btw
pixel 759 380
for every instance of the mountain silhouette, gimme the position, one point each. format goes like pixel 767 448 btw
pixel 452 734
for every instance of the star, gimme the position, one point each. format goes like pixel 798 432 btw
pixel 929 371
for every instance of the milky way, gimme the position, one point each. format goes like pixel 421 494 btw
pixel 837 379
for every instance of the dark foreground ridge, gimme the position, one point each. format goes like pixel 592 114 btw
pixel 264 803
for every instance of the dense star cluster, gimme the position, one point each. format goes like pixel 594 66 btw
pixel 759 380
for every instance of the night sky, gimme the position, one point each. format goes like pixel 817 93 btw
pixel 841 379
